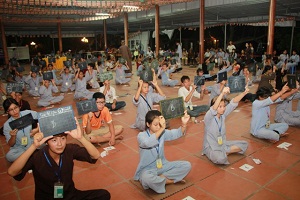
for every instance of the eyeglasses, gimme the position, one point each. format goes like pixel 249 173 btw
pixel 100 102
pixel 13 109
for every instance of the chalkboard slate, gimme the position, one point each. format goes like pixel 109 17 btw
pixel 291 81
pixel 13 63
pixel 57 120
pixel 22 122
pixel 43 63
pixel 35 69
pixel 173 61
pixel 20 69
pixel 92 60
pixel 298 78
pixel 172 108
pixel 67 63
pixel 105 76
pixel 77 56
pixel 122 60
pixel 86 106
pixel 146 75
pixel 221 76
pixel 51 60
pixel 48 75
pixel 236 84
pixel 14 87
pixel 82 65
pixel 199 80
pixel 155 64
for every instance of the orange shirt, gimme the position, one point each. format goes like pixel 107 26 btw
pixel 95 122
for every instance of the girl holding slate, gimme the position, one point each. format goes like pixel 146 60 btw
pixel 50 68
pixel 91 76
pixel 46 94
pixel 217 89
pixel 154 170
pixel 215 145
pixel 18 140
pixel 121 76
pixel 165 76
pixel 34 80
pixel 67 80
pixel 81 92
pixel 144 100
pixel 261 126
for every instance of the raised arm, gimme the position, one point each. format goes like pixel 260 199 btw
pixel 225 91
pixel 241 95
pixel 19 163
pixel 138 92
pixel 279 94
pixel 77 134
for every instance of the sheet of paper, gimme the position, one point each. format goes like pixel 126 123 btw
pixel 284 145
pixel 188 198
pixel 109 148
pixel 246 167
pixel 103 154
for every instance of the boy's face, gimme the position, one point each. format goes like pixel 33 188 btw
pixel 145 88
pixel 33 74
pixel 222 107
pixel 200 73
pixel 57 144
pixel 100 104
pixel 186 83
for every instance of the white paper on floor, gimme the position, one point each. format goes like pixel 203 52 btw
pixel 246 167
pixel 117 113
pixel 256 160
pixel 284 145
pixel 188 198
pixel 106 150
pixel 236 111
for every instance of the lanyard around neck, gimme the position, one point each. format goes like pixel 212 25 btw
pixel 57 173
pixel 219 127
pixel 157 148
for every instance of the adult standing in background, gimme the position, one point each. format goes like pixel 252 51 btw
pixel 126 54
pixel 179 52
pixel 230 47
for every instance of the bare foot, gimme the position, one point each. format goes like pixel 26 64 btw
pixel 119 137
pixel 273 141
pixel 284 134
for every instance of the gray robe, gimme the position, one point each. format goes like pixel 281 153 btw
pixel 46 96
pixel 215 152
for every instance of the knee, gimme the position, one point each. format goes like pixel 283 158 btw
pixel 105 194
pixel 218 157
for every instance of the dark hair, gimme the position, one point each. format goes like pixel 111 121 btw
pixel 212 102
pixel 57 135
pixel 199 70
pixel 151 115
pixel 263 92
pixel 98 95
pixel 21 93
pixel 183 78
pixel 92 65
pixel 50 65
pixel 7 103
pixel 267 68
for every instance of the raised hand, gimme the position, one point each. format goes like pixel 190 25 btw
pixel 162 122
pixel 185 118
pixel 226 90
pixel 76 133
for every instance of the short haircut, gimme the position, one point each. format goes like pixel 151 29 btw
pixel 7 103
pixel 151 115
pixel 183 78
pixel 98 95
pixel 199 70
pixel 263 92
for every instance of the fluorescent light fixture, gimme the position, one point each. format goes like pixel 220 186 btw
pixel 131 7
pixel 102 14
pixel 32 43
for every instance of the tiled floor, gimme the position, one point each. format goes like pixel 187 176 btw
pixel 277 177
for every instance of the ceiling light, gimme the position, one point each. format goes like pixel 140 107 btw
pixel 32 43
pixel 102 14
pixel 131 7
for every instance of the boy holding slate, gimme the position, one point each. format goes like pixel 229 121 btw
pixel 154 170
pixel 187 91
pixel 93 123
pixel 53 164
pixel 67 80
pixel 216 89
pixel 215 145
pixel 46 94
pixel 18 140
pixel 144 100
pixel 91 76
pixel 110 97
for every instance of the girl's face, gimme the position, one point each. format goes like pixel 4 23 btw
pixel 145 88
pixel 47 83
pixel 50 68
pixel 33 74
pixel 154 126
pixel 221 109
pixel 14 110
pixel 89 67
pixel 80 75
pixel 200 73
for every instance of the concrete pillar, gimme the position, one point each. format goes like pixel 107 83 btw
pixel 126 28
pixel 105 34
pixel 59 36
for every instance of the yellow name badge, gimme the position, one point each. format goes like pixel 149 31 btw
pixel 220 140
pixel 24 141
pixel 268 124
pixel 158 163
